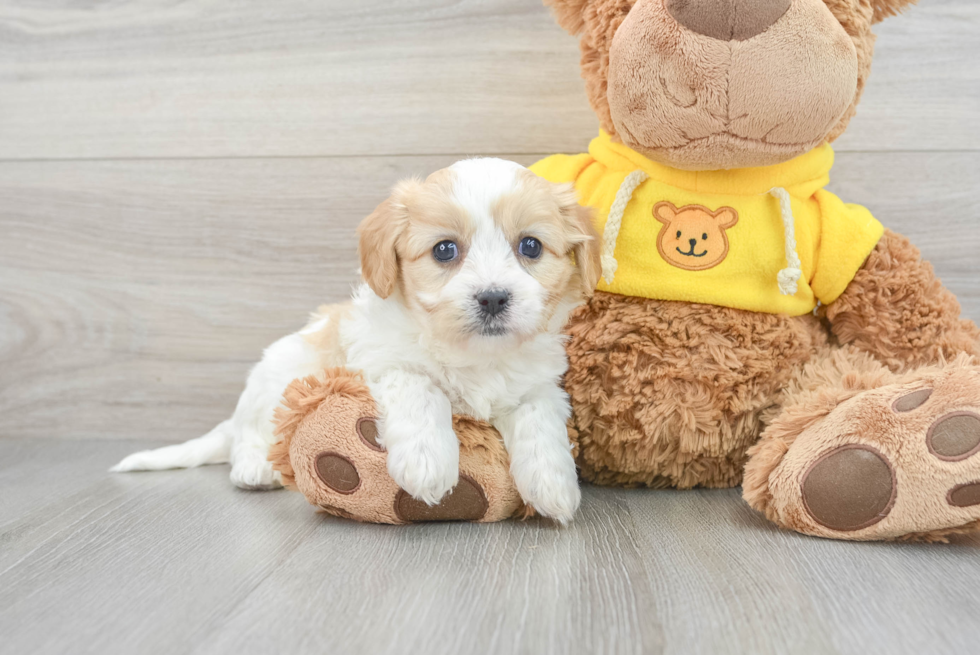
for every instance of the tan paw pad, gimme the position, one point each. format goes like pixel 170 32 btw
pixel 467 502
pixel 964 495
pixel 911 401
pixel 955 436
pixel 849 488
pixel 367 430
pixel 337 472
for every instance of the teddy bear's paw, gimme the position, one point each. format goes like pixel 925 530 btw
pixel 337 464
pixel 335 460
pixel 350 479
pixel 899 462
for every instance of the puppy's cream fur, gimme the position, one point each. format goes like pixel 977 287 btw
pixel 415 330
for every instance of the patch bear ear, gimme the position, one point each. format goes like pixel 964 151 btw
pixel 726 217
pixel 886 8
pixel 665 212
pixel 570 14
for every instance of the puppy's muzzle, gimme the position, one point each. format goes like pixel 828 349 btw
pixel 492 302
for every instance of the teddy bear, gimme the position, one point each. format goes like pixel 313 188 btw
pixel 749 326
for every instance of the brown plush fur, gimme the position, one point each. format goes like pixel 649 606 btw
pixel 855 16
pixel 676 394
pixel 885 8
pixel 673 394
pixel 597 21
pixel 898 310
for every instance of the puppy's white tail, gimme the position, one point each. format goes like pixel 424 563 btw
pixel 212 448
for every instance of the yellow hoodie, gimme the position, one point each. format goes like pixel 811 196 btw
pixel 767 239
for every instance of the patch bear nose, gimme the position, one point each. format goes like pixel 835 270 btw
pixel 728 20
pixel 493 301
pixel 693 242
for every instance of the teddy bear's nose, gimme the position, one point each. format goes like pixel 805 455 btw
pixel 728 20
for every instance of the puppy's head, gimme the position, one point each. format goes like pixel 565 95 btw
pixel 481 250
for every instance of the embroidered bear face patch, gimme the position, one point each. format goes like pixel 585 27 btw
pixel 693 237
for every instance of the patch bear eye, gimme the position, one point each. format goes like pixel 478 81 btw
pixel 678 234
pixel 704 237
pixel 529 247
pixel 445 251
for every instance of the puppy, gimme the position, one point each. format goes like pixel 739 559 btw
pixel 469 278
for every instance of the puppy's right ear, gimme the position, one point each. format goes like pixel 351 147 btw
pixel 570 14
pixel 377 236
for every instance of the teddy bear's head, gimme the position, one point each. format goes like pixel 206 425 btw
pixel 712 84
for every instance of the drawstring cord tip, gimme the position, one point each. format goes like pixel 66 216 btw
pixel 609 266
pixel 788 278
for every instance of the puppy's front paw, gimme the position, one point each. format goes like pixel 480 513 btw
pixel 550 487
pixel 427 470
pixel 250 469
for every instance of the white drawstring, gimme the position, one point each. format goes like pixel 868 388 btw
pixel 613 222
pixel 789 276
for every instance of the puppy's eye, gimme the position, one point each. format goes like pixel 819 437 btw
pixel 445 251
pixel 678 234
pixel 529 247
pixel 704 237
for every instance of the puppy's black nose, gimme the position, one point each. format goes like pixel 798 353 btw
pixel 693 242
pixel 493 301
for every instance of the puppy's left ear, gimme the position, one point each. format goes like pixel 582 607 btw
pixel 377 236
pixel 885 8
pixel 586 244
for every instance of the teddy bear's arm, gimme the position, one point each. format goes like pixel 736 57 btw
pixel 897 309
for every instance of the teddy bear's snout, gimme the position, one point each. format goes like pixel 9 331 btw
pixel 728 20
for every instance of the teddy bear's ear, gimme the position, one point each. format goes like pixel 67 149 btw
pixel 665 212
pixel 885 8
pixel 570 14
pixel 726 217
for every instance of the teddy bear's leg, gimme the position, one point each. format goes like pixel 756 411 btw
pixel 898 310
pixel 672 394
pixel 862 453
pixel 329 451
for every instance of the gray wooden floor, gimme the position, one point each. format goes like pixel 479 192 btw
pixel 179 183
pixel 181 562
